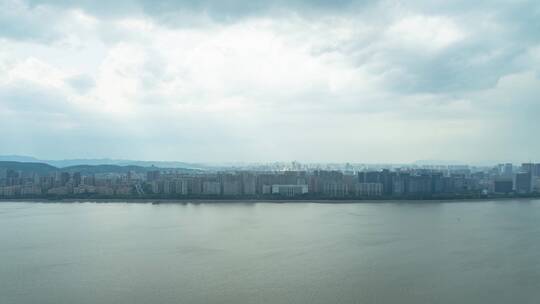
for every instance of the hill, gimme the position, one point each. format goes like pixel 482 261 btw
pixel 63 163
pixel 46 169
pixel 27 167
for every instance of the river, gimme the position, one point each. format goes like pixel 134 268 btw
pixel 381 252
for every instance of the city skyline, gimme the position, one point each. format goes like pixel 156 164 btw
pixel 256 81
pixel 272 181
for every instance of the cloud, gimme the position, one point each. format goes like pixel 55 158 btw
pixel 17 21
pixel 82 83
pixel 217 10
pixel 270 80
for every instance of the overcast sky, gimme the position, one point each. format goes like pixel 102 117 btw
pixel 248 80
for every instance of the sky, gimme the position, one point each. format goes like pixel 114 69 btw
pixel 249 80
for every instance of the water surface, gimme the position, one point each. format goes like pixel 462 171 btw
pixel 458 252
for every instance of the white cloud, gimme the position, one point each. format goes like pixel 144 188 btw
pixel 425 33
pixel 339 86
pixel 35 71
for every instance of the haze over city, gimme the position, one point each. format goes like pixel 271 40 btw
pixel 315 81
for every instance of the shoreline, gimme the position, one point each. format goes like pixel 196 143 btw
pixel 184 201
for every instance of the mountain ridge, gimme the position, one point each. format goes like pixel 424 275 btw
pixel 44 168
pixel 64 163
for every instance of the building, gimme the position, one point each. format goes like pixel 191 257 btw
pixel 508 169
pixel 89 180
pixel 231 184
pixel 64 178
pixel 249 184
pixel 369 189
pixel 77 179
pixel 413 182
pixel 156 187
pixel 84 189
pixel 182 186
pixel 30 190
pixel 536 185
pixel 194 186
pixel 169 187
pixel 534 169
pixel 153 175
pixel 211 188
pixel 523 182
pixel 420 184
pixel 319 182
pixel 10 191
pixel 289 190
pixel 400 184
pixel 503 186
pixel 527 167
pixel 59 191
pixel 384 177
pixel 266 189
pixel 335 189
pixel 123 190
pixel 231 187
pixel 104 190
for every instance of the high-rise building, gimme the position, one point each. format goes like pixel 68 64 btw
pixel 12 177
pixel 420 184
pixel 527 167
pixel 386 178
pixel 231 187
pixel 231 184
pixel 369 189
pixel 169 187
pixel 64 178
pixel 249 183
pixel 536 170
pixel 400 183
pixel 194 186
pixel 182 187
pixel 523 182
pixel 12 174
pixel 152 175
pixel 503 185
pixel 508 169
pixel 335 189
pixel 77 179
pixel 437 183
pixel 289 190
pixel 211 188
